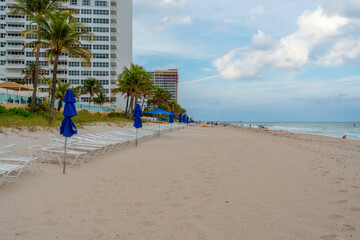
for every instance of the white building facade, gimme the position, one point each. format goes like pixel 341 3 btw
pixel 109 20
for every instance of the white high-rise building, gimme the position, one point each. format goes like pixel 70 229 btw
pixel 109 20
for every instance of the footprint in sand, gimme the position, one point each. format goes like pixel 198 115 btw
pixel 355 187
pixel 336 217
pixel 148 223
pixel 328 237
pixel 335 182
pixel 355 209
pixel 338 201
pixel 343 191
pixel 347 227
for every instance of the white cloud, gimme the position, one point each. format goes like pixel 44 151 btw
pixel 207 69
pixel 263 41
pixel 253 13
pixel 171 2
pixel 174 20
pixel 293 51
pixel 344 51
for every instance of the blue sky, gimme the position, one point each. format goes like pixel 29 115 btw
pixel 276 60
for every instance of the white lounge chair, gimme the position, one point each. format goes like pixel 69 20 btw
pixel 10 172
pixel 56 153
pixel 27 162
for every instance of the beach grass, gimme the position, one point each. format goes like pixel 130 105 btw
pixel 41 120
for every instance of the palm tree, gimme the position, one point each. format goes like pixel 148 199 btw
pixel 47 81
pixel 160 98
pixel 146 90
pixel 60 33
pixel 30 73
pixel 101 98
pixel 133 81
pixel 175 107
pixel 92 86
pixel 36 8
pixel 60 92
pixel 77 92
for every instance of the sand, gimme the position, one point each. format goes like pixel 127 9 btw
pixel 196 183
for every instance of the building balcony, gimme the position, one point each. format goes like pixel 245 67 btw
pixel 16 57
pixel 14 74
pixel 14 29
pixel 15 38
pixel 15 66
pixel 14 47
pixel 15 20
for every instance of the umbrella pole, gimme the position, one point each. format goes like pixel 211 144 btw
pixel 136 137
pixel 64 156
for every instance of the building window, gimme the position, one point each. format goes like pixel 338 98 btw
pixel 88 46
pixel 101 47
pixel 101 12
pixel 86 20
pixel 104 82
pixel 85 73
pixel 100 29
pixel 101 38
pixel 86 2
pixel 84 99
pixel 101 3
pixel 73 2
pixel 74 73
pixel 74 64
pixel 100 73
pixel 101 55
pixel 86 11
pixel 101 20
pixel 101 64
pixel 74 81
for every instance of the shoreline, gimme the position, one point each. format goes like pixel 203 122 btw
pixel 299 132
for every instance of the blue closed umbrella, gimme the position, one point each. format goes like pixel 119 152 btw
pixel 68 128
pixel 171 118
pixel 184 118
pixel 137 120
pixel 187 119
pixel 180 117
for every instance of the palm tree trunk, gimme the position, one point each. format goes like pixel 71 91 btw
pixel 59 105
pixel 127 105
pixel 142 104
pixel 35 80
pixel 131 106
pixel 53 89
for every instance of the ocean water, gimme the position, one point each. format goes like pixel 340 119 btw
pixel 334 129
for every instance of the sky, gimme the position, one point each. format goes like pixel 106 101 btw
pixel 252 60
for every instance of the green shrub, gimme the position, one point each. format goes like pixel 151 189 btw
pixel 19 111
pixel 3 110
pixel 114 114
pixel 42 107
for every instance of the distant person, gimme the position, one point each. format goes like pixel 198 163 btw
pixel 344 137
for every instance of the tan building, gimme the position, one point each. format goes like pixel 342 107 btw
pixel 168 80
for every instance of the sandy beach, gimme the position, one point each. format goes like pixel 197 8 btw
pixel 196 183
